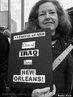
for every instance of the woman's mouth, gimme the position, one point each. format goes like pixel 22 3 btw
pixel 48 22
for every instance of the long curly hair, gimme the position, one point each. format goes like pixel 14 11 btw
pixel 64 26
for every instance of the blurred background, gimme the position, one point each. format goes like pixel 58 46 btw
pixel 14 13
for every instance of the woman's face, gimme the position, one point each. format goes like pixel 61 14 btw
pixel 47 16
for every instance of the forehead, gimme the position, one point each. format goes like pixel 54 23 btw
pixel 46 6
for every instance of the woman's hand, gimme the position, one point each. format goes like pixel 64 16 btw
pixel 44 92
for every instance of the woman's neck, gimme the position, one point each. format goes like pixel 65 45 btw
pixel 53 33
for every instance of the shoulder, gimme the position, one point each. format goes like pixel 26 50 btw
pixel 2 37
pixel 4 43
pixel 63 43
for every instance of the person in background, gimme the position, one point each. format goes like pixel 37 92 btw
pixel 4 52
pixel 50 14
pixel 7 33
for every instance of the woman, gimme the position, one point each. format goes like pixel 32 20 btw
pixel 50 14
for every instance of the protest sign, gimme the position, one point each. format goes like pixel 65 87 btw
pixel 30 59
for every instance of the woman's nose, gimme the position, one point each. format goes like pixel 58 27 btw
pixel 47 15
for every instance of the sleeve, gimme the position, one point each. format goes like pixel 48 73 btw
pixel 4 53
pixel 69 74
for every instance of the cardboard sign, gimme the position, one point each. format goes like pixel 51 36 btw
pixel 30 60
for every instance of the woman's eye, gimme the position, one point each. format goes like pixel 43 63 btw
pixel 52 12
pixel 41 14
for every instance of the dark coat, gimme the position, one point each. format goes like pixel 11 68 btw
pixel 4 52
pixel 62 75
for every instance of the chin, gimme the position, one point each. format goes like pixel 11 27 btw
pixel 51 28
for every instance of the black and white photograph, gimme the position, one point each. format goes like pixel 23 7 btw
pixel 36 48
